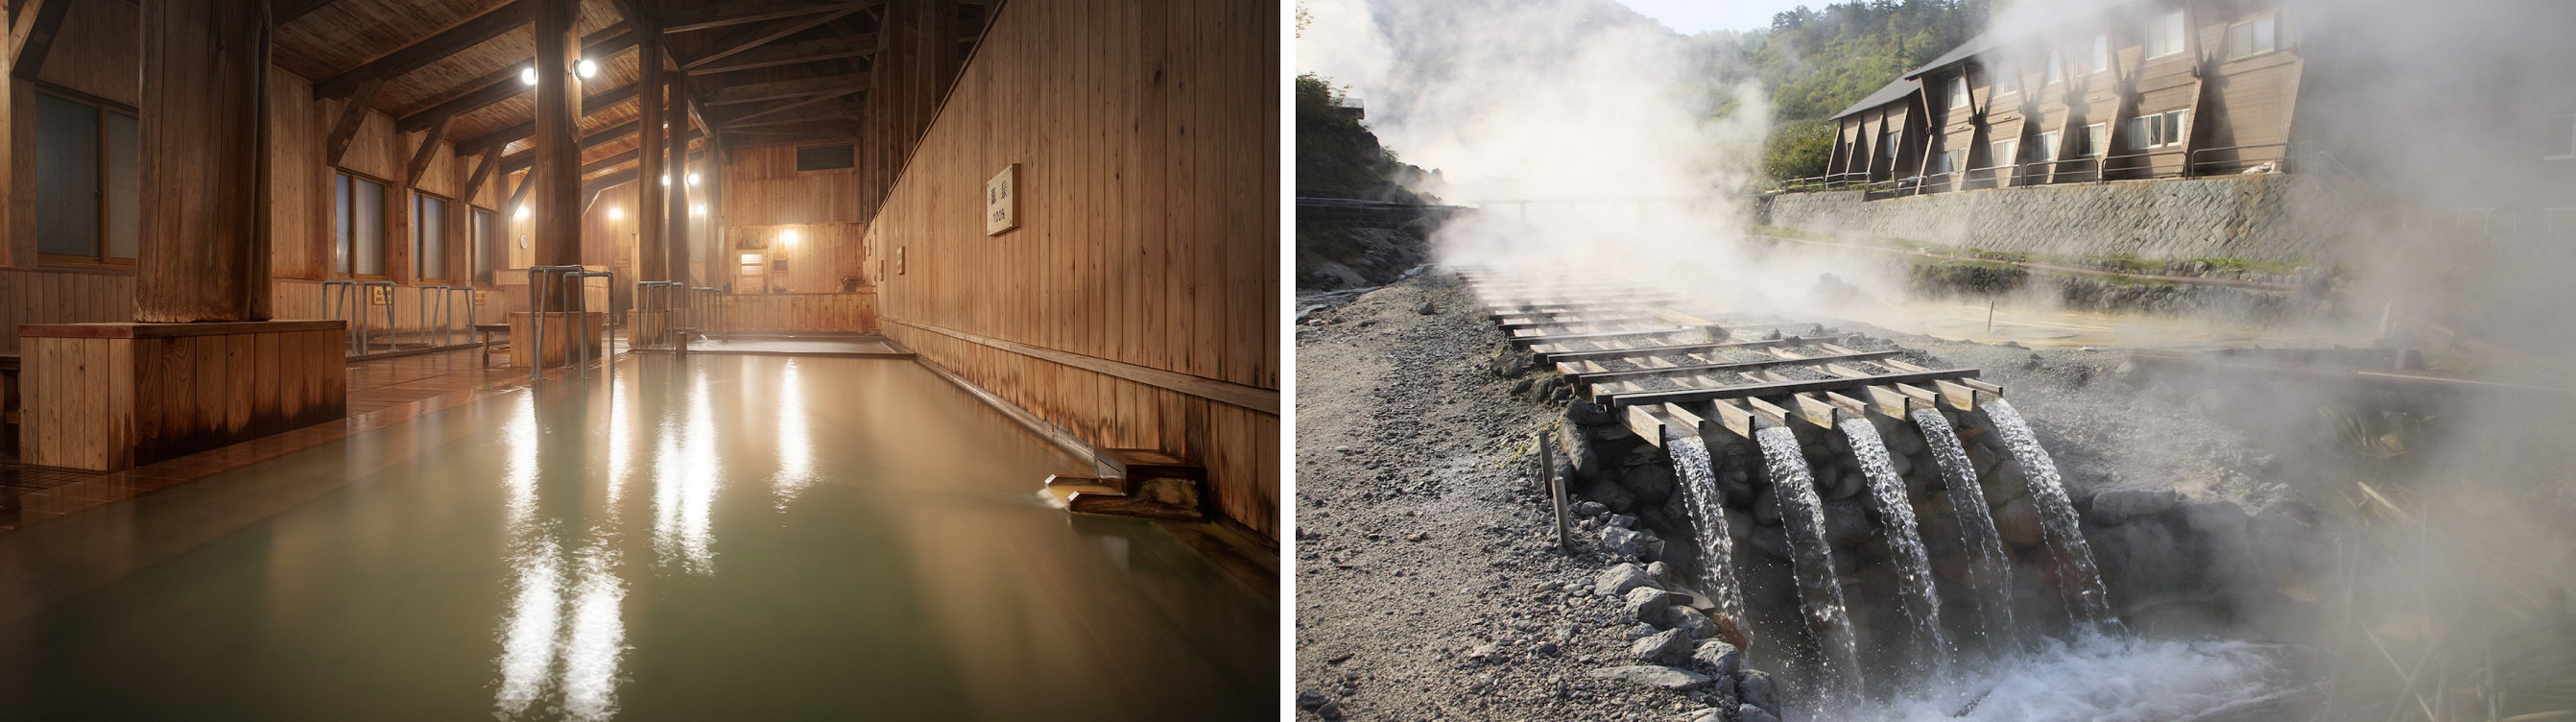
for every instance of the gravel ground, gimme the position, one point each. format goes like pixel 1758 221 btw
pixel 1428 583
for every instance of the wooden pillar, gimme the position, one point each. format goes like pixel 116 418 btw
pixel 650 172
pixel 676 205
pixel 558 202
pixel 205 212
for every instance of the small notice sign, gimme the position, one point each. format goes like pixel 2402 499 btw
pixel 380 295
pixel 482 298
pixel 1002 201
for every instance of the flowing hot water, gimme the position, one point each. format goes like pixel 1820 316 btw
pixel 1905 541
pixel 2089 602
pixel 1989 571
pixel 1708 520
pixel 1812 561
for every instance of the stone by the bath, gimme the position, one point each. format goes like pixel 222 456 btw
pixel 1308 698
pixel 1623 521
pixel 1617 580
pixel 1670 646
pixel 1658 570
pixel 1590 508
pixel 1754 687
pixel 1646 603
pixel 1689 621
pixel 1754 713
pixel 1611 494
pixel 1583 411
pixel 1718 657
pixel 1656 676
pixel 1623 541
pixel 1652 483
pixel 1711 714
pixel 1427 309
pixel 2119 506
pixel 2019 522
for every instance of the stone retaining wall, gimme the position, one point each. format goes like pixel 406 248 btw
pixel 2258 217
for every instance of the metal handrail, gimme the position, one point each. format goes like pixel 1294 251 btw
pixel 544 284
pixel 343 297
pixel 708 305
pixel 2040 172
pixel 652 297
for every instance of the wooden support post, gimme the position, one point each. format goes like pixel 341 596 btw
pixel 205 206
pixel 39 23
pixel 651 258
pixel 675 113
pixel 557 172
pixel 1555 491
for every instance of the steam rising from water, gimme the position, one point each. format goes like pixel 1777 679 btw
pixel 2108 679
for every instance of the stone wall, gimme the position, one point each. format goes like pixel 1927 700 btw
pixel 2256 217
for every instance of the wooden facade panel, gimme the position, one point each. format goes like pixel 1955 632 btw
pixel 99 52
pixel 55 296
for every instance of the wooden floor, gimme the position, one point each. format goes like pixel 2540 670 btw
pixel 384 383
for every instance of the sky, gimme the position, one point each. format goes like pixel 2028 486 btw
pixel 1692 17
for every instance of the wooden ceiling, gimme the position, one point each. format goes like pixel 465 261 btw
pixel 761 71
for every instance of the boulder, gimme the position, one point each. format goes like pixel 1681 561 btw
pixel 1590 509
pixel 1670 646
pixel 1689 621
pixel 1617 580
pixel 1766 506
pixel 1846 523
pixel 1623 540
pixel 2141 559
pixel 1580 450
pixel 1718 658
pixel 1584 412
pixel 1772 540
pixel 1656 676
pixel 2019 522
pixel 1754 713
pixel 1753 686
pixel 1646 603
pixel 1611 495
pixel 2118 506
pixel 1652 483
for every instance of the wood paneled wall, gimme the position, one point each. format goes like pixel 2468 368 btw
pixel 841 312
pixel 1146 132
pixel 766 197
pixel 818 257
pixel 60 296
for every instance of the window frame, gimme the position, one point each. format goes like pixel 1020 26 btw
pixel 2056 67
pixel 382 186
pixel 420 259
pixel 2102 53
pixel 479 256
pixel 2004 78
pixel 2008 148
pixel 2174 27
pixel 102 254
pixel 800 157
pixel 2048 142
pixel 2251 23
pixel 1961 95
pixel 2097 140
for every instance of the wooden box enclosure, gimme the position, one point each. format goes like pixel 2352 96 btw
pixel 112 396
pixel 559 328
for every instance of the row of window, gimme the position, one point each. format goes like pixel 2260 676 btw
pixel 2146 132
pixel 89 199
pixel 2165 35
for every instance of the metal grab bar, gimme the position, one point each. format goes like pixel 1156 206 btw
pixel 343 297
pixel 653 297
pixel 544 285
pixel 709 306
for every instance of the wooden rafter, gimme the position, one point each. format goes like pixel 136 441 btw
pixel 742 12
pixel 39 23
pixel 737 41
pixel 351 116
pixel 474 31
pixel 792 53
pixel 621 131
pixel 428 149
pixel 286 11
pixel 784 89
pixel 483 170
pixel 817 107
pixel 504 84
pixel 593 103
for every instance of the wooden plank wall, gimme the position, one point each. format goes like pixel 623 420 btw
pixel 765 197
pixel 61 296
pixel 818 260
pixel 843 312
pixel 1147 134
pixel 132 401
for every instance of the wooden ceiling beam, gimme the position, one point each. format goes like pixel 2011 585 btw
pixel 483 169
pixel 33 36
pixel 504 84
pixel 428 149
pixel 800 88
pixel 743 12
pixel 351 115
pixel 286 11
pixel 589 104
pixel 860 45
pixel 815 108
pixel 523 159
pixel 473 31
pixel 738 41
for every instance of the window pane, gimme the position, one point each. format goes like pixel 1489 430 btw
pixel 124 185
pixel 2001 153
pixel 2094 143
pixel 340 214
pixel 2101 54
pixel 2048 146
pixel 430 234
pixel 66 177
pixel 2056 66
pixel 2142 131
pixel 2266 34
pixel 368 236
pixel 2177 125
pixel 482 246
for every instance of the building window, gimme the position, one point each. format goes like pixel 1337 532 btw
pixel 2254 37
pixel 2047 148
pixel 2558 138
pixel 429 237
pixel 2007 79
pixel 2096 139
pixel 2101 53
pixel 1948 162
pixel 485 231
pixel 1887 141
pixel 1959 90
pixel 2056 66
pixel 2158 130
pixel 89 182
pixel 826 157
pixel 2000 153
pixel 2165 35
pixel 360 213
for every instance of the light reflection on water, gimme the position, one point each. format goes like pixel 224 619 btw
pixel 476 563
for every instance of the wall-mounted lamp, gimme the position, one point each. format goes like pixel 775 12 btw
pixel 586 68
pixel 698 211
pixel 788 237
pixel 522 214
pixel 666 179
pixel 528 76
pixel 693 179
pixel 615 213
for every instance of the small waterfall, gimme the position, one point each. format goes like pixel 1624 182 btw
pixel 1820 592
pixel 1989 571
pixel 1913 566
pixel 2091 603
pixel 1708 520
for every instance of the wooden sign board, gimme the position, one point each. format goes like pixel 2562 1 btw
pixel 482 298
pixel 1002 201
pixel 380 295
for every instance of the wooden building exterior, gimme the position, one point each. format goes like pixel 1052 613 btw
pixel 2145 89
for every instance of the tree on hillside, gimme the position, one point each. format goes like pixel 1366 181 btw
pixel 1815 63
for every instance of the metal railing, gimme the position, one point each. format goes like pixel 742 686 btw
pixel 708 312
pixel 655 302
pixel 565 289
pixel 349 297
pixel 2081 169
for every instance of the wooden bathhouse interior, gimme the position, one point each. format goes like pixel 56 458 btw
pixel 642 359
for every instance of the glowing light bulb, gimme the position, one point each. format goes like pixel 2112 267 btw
pixel 528 76
pixel 586 68
pixel 523 213
pixel 788 237
pixel 616 213
pixel 698 210
pixel 693 179
pixel 666 179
